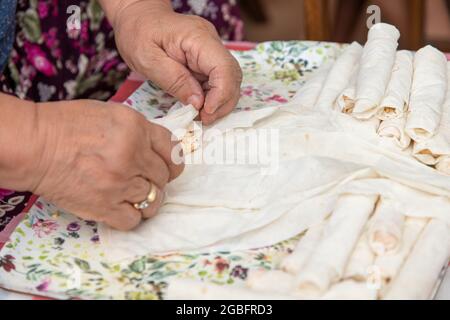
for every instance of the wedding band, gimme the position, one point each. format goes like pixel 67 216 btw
pixel 151 197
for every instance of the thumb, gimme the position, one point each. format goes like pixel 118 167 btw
pixel 175 79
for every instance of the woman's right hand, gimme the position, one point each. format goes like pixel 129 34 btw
pixel 96 159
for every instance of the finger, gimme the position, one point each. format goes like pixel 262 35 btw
pixel 166 146
pixel 153 208
pixel 174 78
pixel 154 168
pixel 137 190
pixel 124 218
pixel 224 86
pixel 224 73
pixel 227 108
pixel 199 77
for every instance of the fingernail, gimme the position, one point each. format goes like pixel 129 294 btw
pixel 196 101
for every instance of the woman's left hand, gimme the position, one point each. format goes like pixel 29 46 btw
pixel 182 54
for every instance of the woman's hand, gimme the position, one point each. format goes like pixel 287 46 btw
pixel 182 54
pixel 97 159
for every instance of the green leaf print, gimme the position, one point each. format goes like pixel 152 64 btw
pixel 157 275
pixel 277 45
pixel 33 4
pixel 95 14
pixel 85 84
pixel 20 231
pixel 31 25
pixel 82 264
pixel 235 258
pixel 158 265
pixel 138 266
pixel 15 75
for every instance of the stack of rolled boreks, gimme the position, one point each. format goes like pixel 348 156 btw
pixel 406 95
pixel 389 257
pixel 367 248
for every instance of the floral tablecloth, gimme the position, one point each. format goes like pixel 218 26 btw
pixel 53 253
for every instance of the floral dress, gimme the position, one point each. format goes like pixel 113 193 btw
pixel 50 62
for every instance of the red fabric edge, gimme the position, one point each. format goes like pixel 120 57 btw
pixel 15 222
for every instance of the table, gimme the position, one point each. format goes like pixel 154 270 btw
pixel 129 86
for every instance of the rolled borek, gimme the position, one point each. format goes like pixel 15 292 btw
pixel 339 77
pixel 389 264
pixel 346 100
pixel 432 150
pixel 428 151
pixel 294 262
pixel 443 164
pixel 375 70
pixel 386 228
pixel 307 95
pixel 350 290
pixel 418 276
pixel 428 93
pixel 396 98
pixel 360 261
pixel 394 129
pixel 274 281
pixel 339 238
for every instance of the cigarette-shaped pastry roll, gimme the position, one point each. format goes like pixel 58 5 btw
pixel 389 264
pixel 386 227
pixel 346 100
pixel 339 76
pixel 186 289
pixel 350 290
pixel 294 262
pixel 428 93
pixel 306 96
pixel 443 164
pixel 339 238
pixel 375 70
pixel 361 259
pixel 394 129
pixel 178 119
pixel 430 150
pixel 418 276
pixel 180 122
pixel 274 281
pixel 396 98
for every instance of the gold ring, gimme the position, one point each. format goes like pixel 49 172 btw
pixel 152 194
pixel 151 197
